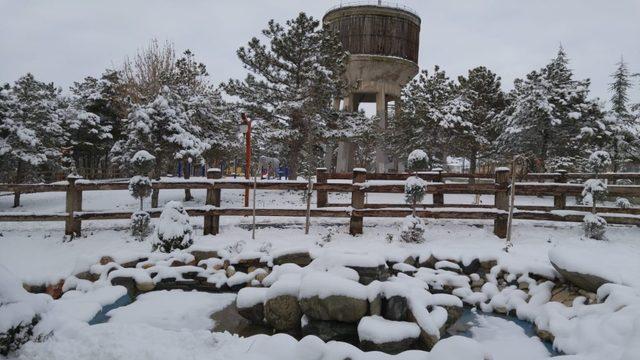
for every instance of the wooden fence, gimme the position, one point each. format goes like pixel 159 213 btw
pixel 361 184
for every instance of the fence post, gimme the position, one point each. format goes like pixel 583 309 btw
pixel 560 200
pixel 212 222
pixel 357 201
pixel 438 198
pixel 501 202
pixel 73 226
pixel 321 195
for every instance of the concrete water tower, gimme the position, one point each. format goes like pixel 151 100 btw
pixel 383 42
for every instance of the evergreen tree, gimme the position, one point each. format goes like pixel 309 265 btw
pixel 428 105
pixel 31 135
pixel 475 126
pixel 622 130
pixel 291 83
pixel 549 118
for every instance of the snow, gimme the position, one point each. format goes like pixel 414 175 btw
pixel 250 296
pixel 17 306
pixel 380 330
pixel 173 310
pixel 324 285
pixel 503 339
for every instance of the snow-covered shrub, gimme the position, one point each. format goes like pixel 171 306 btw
pixel 412 230
pixel 599 161
pixel 142 162
pixel 417 160
pixel 19 312
pixel 594 189
pixel 623 203
pixel 594 226
pixel 140 225
pixel 140 188
pixel 173 229
pixel 414 190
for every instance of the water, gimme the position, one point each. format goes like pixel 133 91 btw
pixel 102 317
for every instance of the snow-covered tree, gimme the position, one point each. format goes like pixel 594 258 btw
pixel 414 190
pixel 31 135
pixel 622 129
pixel 173 229
pixel 549 116
pixel 474 118
pixel 140 187
pixel 291 82
pixel 418 160
pixel 428 102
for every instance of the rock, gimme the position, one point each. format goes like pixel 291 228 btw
pixel 87 275
pixel 487 265
pixel 564 295
pixel 301 259
pixel 105 260
pixel 430 262
pixel 204 254
pixel 133 263
pixel 331 330
pixel 260 276
pixel 586 282
pixel 283 312
pixel 375 306
pixel 395 308
pixel 145 286
pixel 453 314
pixel 55 290
pixel 392 347
pixel 544 335
pixel 230 271
pixel 255 313
pixel 335 307
pixel 128 282
pixel 471 268
pixel 369 274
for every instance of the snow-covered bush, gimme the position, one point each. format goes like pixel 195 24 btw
pixel 417 160
pixel 414 190
pixel 594 189
pixel 623 203
pixel 19 312
pixel 174 229
pixel 140 225
pixel 412 230
pixel 599 161
pixel 142 162
pixel 594 226
pixel 140 188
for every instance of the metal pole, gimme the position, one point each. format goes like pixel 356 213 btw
pixel 255 185
pixel 308 219
pixel 247 169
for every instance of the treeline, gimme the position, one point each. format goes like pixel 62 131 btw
pixel 548 117
pixel 167 105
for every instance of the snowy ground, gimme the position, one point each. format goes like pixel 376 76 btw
pixel 152 328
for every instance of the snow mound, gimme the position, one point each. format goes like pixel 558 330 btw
pixel 379 330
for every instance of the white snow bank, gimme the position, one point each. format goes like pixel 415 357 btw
pixel 324 285
pixel 380 330
pixel 250 296
pixel 16 304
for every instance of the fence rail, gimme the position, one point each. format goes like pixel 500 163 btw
pixel 361 184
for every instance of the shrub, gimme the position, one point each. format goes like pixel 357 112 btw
pixel 417 160
pixel 599 161
pixel 140 188
pixel 412 230
pixel 623 203
pixel 140 225
pixel 16 336
pixel 414 190
pixel 142 162
pixel 594 189
pixel 594 226
pixel 173 229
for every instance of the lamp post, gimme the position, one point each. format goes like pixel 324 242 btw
pixel 245 127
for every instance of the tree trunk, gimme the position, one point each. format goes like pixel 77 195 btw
pixel 473 164
pixel 155 195
pixel 186 170
pixel 19 177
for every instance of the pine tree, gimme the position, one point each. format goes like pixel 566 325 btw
pixel 622 130
pixel 475 118
pixel 291 83
pixel 549 118
pixel 428 103
pixel 31 135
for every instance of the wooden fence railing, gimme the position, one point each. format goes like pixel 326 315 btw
pixel 356 210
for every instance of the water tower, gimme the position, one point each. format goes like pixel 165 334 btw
pixel 383 42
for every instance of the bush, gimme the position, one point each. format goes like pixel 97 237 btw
pixel 140 225
pixel 594 189
pixel 412 230
pixel 414 190
pixel 417 160
pixel 140 188
pixel 599 161
pixel 142 162
pixel 16 336
pixel 594 226
pixel 623 203
pixel 174 229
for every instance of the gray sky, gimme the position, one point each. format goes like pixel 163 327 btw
pixel 65 40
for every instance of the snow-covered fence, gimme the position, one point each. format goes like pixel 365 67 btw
pixel 361 183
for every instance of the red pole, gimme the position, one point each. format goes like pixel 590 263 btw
pixel 247 169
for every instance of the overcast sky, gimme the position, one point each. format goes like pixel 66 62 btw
pixel 65 40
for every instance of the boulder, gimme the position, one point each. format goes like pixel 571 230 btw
pixel 391 347
pixel 105 260
pixel 335 308
pixel 331 330
pixel 375 306
pixel 283 312
pixel 588 282
pixel 200 255
pixel 128 282
pixel 145 286
pixel 300 258
pixel 369 274
pixel 255 313
pixel 55 290
pixel 395 308
pixel 472 267
pixel 250 304
pixel 379 334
